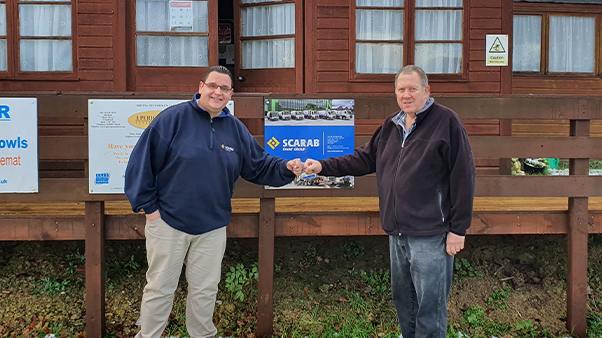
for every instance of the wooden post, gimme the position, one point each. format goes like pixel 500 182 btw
pixel 265 306
pixel 505 163
pixel 577 233
pixel 95 270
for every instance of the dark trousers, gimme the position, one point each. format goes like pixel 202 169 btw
pixel 421 276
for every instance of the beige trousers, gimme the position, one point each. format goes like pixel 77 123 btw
pixel 167 249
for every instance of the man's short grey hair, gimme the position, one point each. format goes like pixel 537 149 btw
pixel 414 69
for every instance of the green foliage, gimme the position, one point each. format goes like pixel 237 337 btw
pixel 239 277
pixel 352 272
pixel 474 317
pixel 51 285
pixel 74 260
pixel 498 298
pixel 526 328
pixel 357 303
pixel 379 281
pixel 465 269
pixel 451 333
pixel 351 249
pixel 311 252
pixel 122 269
pixel 110 334
pixel 594 327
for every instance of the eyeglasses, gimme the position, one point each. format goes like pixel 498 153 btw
pixel 214 86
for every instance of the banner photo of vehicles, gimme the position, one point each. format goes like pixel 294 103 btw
pixel 309 112
pixel 310 128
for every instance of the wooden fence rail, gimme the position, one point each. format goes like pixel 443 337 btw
pixel 64 210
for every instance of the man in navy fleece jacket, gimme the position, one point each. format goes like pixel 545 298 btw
pixel 182 174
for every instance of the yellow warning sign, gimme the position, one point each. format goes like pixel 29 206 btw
pixel 497 47
pixel 496 50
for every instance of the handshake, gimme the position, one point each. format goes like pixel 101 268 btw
pixel 309 167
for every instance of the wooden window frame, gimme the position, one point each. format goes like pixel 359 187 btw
pixel 546 10
pixel 13 39
pixel 160 75
pixel 409 42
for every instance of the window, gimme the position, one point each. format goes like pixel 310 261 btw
pixel 268 34
pixel 3 50
pixel 554 43
pixel 172 33
pixel 392 33
pixel 43 40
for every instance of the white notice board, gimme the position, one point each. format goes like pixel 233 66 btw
pixel 19 145
pixel 114 127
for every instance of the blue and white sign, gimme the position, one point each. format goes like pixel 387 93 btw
pixel 308 128
pixel 18 145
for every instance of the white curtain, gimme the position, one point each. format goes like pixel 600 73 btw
pixel 572 41
pixel 378 58
pixel 438 3
pixel 272 53
pixel 379 3
pixel 3 51
pixel 378 25
pixel 438 25
pixel 153 16
pixel 268 21
pixel 45 21
pixel 172 51
pixel 526 54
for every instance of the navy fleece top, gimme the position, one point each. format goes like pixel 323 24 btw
pixel 185 165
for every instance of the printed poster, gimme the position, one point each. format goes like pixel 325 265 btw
pixel 310 128
pixel 114 127
pixel 18 145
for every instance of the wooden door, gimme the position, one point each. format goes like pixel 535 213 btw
pixel 269 46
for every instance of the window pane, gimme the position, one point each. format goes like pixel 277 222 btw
pixel 3 19
pixel 67 1
pixel 3 54
pixel 45 55
pixel 526 54
pixel 438 25
pixel 171 16
pixel 257 1
pixel 379 3
pixel 572 44
pixel 439 3
pixel 45 20
pixel 378 58
pixel 439 58
pixel 275 53
pixel 268 20
pixel 379 25
pixel 172 51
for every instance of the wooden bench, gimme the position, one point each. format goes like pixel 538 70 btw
pixel 63 209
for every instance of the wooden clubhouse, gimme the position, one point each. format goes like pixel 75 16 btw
pixel 544 103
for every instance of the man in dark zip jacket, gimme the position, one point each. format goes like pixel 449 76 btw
pixel 426 180
pixel 182 174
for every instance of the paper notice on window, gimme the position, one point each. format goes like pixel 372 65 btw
pixel 180 16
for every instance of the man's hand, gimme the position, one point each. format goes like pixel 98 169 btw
pixel 455 243
pixel 312 166
pixel 153 216
pixel 296 166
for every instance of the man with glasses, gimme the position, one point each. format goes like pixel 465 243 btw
pixel 182 174
pixel 426 178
